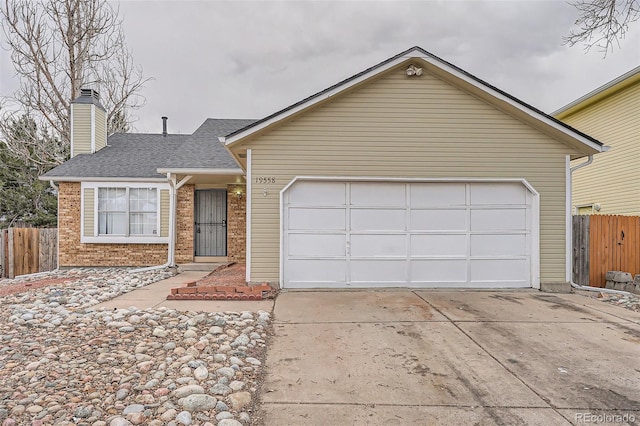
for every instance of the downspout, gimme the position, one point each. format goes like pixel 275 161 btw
pixel 173 206
pixel 574 285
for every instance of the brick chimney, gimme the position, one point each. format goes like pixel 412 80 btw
pixel 88 123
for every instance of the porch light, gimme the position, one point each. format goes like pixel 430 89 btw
pixel 239 194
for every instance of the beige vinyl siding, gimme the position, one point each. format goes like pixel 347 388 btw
pixel 100 130
pixel 89 211
pixel 406 127
pixel 613 179
pixel 164 213
pixel 81 129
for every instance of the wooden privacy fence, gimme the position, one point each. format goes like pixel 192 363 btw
pixel 27 251
pixel 604 243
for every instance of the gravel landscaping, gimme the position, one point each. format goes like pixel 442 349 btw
pixel 63 362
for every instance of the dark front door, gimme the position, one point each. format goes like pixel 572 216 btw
pixel 211 222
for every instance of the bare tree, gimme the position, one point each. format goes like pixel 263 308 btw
pixel 603 23
pixel 58 47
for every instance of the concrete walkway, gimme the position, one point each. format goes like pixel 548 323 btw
pixel 155 295
pixel 450 357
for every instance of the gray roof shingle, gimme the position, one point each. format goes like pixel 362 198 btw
pixel 139 155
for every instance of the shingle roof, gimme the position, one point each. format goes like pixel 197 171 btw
pixel 139 155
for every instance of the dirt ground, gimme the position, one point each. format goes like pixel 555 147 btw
pixel 226 275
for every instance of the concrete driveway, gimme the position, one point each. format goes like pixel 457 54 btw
pixel 455 357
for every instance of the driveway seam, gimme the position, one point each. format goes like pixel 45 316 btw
pixel 371 404
pixel 604 312
pixel 450 320
pixel 550 405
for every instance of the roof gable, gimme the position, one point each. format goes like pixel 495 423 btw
pixel 447 71
pixel 603 92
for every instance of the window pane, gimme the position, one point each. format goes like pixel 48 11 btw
pixel 143 224
pixel 143 199
pixel 112 199
pixel 111 223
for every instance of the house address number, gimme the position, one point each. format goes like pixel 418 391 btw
pixel 265 179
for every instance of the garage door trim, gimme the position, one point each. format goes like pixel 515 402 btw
pixel 535 210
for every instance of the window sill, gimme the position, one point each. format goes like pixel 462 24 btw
pixel 124 240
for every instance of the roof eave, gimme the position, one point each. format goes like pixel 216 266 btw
pixel 200 171
pixel 100 179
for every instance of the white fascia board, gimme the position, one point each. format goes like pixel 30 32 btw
pixel 202 171
pixel 417 54
pixel 99 179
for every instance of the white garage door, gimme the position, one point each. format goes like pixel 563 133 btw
pixel 393 234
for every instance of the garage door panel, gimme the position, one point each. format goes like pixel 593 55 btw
pixel 377 271
pixel 498 220
pixel 438 220
pixel 439 270
pixel 317 270
pixel 438 245
pixel 378 194
pixel 372 245
pixel 499 270
pixel 499 245
pixel 317 194
pixel 316 219
pixel 497 194
pixel 438 194
pixel 316 245
pixel 416 234
pixel 378 220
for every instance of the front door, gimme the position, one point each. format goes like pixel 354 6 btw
pixel 211 222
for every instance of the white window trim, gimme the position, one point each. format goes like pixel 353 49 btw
pixel 119 239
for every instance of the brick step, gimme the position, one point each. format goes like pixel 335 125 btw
pixel 193 292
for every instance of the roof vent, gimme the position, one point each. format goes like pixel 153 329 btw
pixel 90 93
pixel 164 126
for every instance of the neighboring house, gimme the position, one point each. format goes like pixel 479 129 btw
pixel 611 113
pixel 411 173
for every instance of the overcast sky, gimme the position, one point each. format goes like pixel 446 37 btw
pixel 248 59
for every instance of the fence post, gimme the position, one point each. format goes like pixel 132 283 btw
pixel 3 260
pixel 11 254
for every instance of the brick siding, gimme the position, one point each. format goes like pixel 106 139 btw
pixel 74 253
pixel 236 223
pixel 185 223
